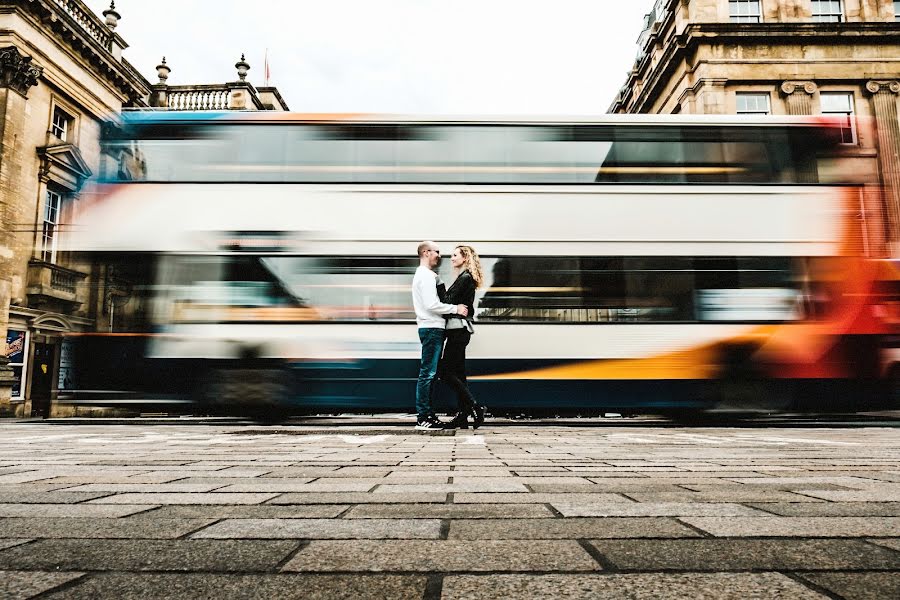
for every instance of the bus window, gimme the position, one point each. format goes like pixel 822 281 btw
pixel 463 153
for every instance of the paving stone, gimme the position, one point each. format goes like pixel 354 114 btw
pixel 891 494
pixel 634 485
pixel 27 488
pixel 717 586
pixel 569 481
pixel 500 498
pixel 157 477
pixel 147 586
pixel 25 477
pixel 442 556
pixel 70 510
pixel 16 469
pixel 175 498
pixel 153 488
pixel 301 472
pixel 549 473
pixel 810 483
pixel 99 528
pixel 48 497
pixel 649 509
pixel 13 542
pixel 725 486
pixel 265 511
pixel 211 483
pixel 241 472
pixel 335 485
pixel 797 526
pixel 562 488
pixel 77 480
pixel 415 478
pixel 357 498
pixel 478 472
pixel 739 555
pixel 323 529
pixel 831 509
pixel 16 585
pixel 576 528
pixel 473 485
pixel 179 468
pixel 450 511
pixel 858 586
pixel 730 495
pixel 148 555
pixel 359 472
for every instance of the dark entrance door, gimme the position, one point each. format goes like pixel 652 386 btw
pixel 41 380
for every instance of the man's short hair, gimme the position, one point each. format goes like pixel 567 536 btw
pixel 423 247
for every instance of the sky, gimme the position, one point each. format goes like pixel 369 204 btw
pixel 488 57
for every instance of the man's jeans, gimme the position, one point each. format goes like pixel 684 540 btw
pixel 432 343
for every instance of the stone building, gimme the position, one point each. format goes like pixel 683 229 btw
pixel 62 76
pixel 62 79
pixel 780 57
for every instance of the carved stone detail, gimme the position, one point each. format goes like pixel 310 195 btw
pixel 16 70
pixel 799 96
pixel 790 87
pixel 883 86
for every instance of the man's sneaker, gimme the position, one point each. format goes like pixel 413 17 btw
pixel 431 424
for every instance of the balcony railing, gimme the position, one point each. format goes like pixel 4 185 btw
pixel 87 20
pixel 52 282
pixel 198 98
pixel 63 281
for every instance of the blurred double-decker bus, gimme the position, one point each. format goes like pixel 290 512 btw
pixel 261 263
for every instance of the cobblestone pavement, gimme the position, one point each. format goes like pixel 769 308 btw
pixel 108 511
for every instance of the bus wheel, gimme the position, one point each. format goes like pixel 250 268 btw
pixel 253 393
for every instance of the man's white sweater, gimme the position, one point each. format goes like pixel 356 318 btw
pixel 429 308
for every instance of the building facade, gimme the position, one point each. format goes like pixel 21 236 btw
pixel 780 57
pixel 62 80
pixel 63 77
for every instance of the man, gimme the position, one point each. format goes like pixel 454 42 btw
pixel 430 319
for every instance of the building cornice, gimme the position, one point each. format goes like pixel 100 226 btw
pixel 696 34
pixel 86 36
pixel 274 91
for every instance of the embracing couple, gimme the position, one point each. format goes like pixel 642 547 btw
pixel 445 314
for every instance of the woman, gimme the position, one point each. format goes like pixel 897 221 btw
pixel 452 369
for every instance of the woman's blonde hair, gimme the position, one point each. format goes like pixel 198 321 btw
pixel 472 264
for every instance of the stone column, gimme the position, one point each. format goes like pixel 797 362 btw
pixel 17 75
pixel 884 97
pixel 799 96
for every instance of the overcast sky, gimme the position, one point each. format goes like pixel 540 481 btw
pixel 397 56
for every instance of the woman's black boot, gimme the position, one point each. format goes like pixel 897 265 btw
pixel 477 415
pixel 460 421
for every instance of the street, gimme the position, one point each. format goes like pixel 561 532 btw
pixel 512 511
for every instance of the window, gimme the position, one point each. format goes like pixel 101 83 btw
pixel 744 11
pixel 827 11
pixel 16 351
pixel 585 153
pixel 517 289
pixel 51 222
pixel 840 103
pixel 897 10
pixel 752 104
pixel 62 124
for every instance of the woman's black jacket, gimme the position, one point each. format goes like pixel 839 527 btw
pixel 462 292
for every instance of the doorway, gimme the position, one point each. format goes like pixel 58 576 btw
pixel 42 379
